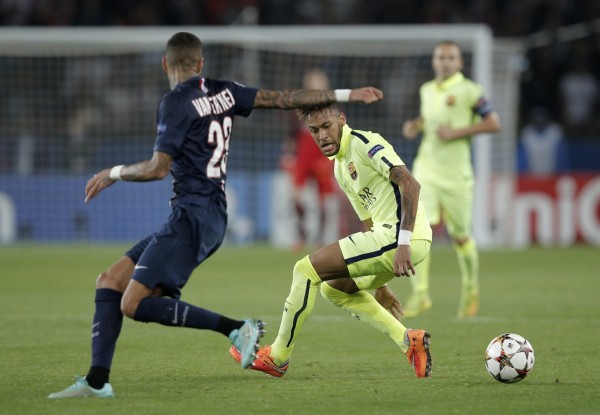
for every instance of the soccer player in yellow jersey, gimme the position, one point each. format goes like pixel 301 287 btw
pixel 453 109
pixel 385 196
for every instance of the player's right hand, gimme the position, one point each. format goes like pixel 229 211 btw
pixel 97 183
pixel 410 129
pixel 368 95
pixel 403 266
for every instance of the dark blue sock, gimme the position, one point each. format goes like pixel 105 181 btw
pixel 171 312
pixel 106 327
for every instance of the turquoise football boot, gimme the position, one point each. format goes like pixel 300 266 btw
pixel 81 389
pixel 245 339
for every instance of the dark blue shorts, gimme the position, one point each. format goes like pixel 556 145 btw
pixel 167 258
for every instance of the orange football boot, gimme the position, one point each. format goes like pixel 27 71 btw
pixel 418 352
pixel 263 362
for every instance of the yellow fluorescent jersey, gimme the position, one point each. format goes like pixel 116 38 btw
pixel 457 102
pixel 362 169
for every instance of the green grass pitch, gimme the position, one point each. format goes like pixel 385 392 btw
pixel 340 366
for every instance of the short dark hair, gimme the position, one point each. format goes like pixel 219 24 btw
pixel 448 42
pixel 305 112
pixel 184 50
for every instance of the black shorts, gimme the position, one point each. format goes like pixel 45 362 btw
pixel 167 258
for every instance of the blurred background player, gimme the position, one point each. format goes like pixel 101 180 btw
pixel 541 144
pixel 385 196
pixel 304 162
pixel 452 109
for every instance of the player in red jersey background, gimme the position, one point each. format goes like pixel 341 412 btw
pixel 304 162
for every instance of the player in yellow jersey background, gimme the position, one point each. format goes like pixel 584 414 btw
pixel 452 109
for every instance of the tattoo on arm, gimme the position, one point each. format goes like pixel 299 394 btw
pixel 408 214
pixel 410 189
pixel 292 98
pixel 154 169
pixel 138 172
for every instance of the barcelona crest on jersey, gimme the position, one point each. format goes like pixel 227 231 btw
pixel 352 171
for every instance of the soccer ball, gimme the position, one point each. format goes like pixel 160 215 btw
pixel 509 358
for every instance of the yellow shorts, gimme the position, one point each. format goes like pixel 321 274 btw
pixel 454 206
pixel 370 255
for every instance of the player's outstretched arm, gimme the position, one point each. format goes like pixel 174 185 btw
pixel 298 98
pixel 156 168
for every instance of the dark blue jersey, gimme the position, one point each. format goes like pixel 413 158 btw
pixel 194 126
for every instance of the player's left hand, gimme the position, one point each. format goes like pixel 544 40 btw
pixel 97 183
pixel 403 266
pixel 446 133
pixel 368 95
pixel 388 300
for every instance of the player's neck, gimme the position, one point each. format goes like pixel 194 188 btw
pixel 440 79
pixel 177 77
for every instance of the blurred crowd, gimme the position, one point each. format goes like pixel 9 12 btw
pixel 560 85
pixel 506 17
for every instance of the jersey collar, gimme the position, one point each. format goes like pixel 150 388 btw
pixel 344 142
pixel 457 78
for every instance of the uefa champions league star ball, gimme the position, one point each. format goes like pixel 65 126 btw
pixel 509 358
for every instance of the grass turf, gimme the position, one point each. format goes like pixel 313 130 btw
pixel 340 366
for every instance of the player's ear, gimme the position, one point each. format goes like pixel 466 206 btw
pixel 164 63
pixel 199 66
pixel 342 118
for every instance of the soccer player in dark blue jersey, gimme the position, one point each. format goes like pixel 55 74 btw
pixel 194 126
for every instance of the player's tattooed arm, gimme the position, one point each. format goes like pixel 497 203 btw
pixel 157 168
pixel 292 98
pixel 410 188
pixel 301 98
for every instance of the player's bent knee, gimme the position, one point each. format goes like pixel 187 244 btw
pixel 117 276
pixel 128 308
pixel 345 285
pixel 334 296
pixel 460 240
pixel 109 280
pixel 103 281
pixel 304 269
